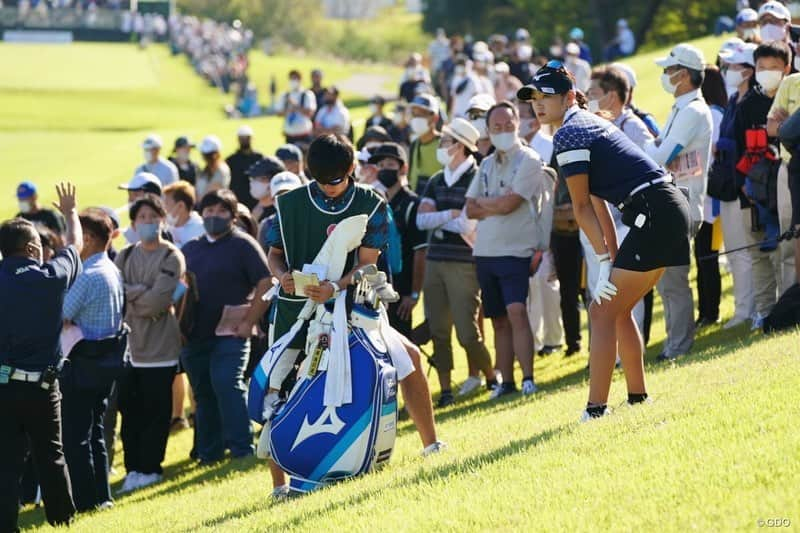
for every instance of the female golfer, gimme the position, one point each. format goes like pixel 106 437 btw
pixel 601 164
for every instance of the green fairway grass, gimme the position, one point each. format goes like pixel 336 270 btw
pixel 717 450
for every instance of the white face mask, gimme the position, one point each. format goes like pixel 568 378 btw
pixel 749 34
pixel 480 125
pixel 419 125
pixel 666 83
pixel 773 32
pixel 594 106
pixel 504 141
pixel 259 189
pixel 294 84
pixel 769 79
pixel 734 78
pixel 24 206
pixel 397 118
pixel 460 72
pixel 148 155
pixel 182 154
pixel 373 109
pixel 172 220
pixel 443 156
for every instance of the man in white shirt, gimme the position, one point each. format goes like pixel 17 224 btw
pixel 297 106
pixel 684 148
pixel 333 116
pixel 464 86
pixel 164 169
pixel 183 222
pixel 579 68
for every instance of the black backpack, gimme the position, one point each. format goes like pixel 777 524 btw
pixel 786 313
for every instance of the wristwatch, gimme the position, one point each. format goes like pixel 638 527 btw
pixel 415 296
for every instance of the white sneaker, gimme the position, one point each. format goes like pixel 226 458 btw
pixel 280 493
pixel 733 322
pixel 528 388
pixel 436 447
pixel 586 417
pixel 471 384
pixel 108 504
pixel 145 480
pixel 130 483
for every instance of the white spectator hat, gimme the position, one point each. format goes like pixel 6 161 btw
pixel 152 141
pixel 730 44
pixel 464 132
pixel 740 55
pixel 244 131
pixel 746 15
pixel 684 55
pixel 143 181
pixel 502 67
pixel 776 9
pixel 522 34
pixel 622 23
pixel 479 47
pixel 284 181
pixel 572 49
pixel 481 102
pixel 629 73
pixel 525 52
pixel 210 145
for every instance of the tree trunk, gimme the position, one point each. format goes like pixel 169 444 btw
pixel 647 19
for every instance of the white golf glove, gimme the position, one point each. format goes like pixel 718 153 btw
pixel 604 289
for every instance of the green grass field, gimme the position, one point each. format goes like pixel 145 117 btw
pixel 715 451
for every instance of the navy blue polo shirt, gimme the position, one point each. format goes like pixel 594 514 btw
pixel 227 270
pixel 588 144
pixel 31 308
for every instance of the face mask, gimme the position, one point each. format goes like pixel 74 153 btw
pixel 148 232
pixel 294 84
pixel 773 32
pixel 503 141
pixel 526 126
pixel 419 125
pixel 750 34
pixel 410 72
pixel 215 225
pixel 388 177
pixel 555 51
pixel 24 206
pixel 594 106
pixel 460 72
pixel 443 156
pixel 373 109
pixel 172 220
pixel 147 155
pixel 666 83
pixel 397 118
pixel 734 78
pixel 769 79
pixel 480 125
pixel 182 155
pixel 258 189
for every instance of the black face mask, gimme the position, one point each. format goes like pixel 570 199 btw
pixel 388 177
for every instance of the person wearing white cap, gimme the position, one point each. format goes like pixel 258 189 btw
pixel 216 174
pixel 280 183
pixel 238 163
pixel 579 68
pixel 140 184
pixel 452 293
pixel 505 85
pixel 774 19
pixel 465 84
pixel 479 105
pixel 165 169
pixel 738 67
pixel 623 45
pixel 684 148
pixel 747 25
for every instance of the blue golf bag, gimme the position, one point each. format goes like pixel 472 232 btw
pixel 317 445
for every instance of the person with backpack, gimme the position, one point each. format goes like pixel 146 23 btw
pixel 392 169
pixel 152 270
pixel 297 106
pixel 600 164
pixel 452 293
pixel 756 150
pixel 499 197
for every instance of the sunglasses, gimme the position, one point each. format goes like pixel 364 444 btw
pixel 336 181
pixel 476 115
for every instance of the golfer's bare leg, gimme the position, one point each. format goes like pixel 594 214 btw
pixel 417 396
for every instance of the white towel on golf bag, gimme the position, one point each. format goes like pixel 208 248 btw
pixel 344 238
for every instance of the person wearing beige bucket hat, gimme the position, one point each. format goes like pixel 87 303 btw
pixel 451 284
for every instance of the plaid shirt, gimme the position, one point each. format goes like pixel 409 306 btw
pixel 95 301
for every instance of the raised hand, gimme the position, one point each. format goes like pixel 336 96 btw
pixel 67 201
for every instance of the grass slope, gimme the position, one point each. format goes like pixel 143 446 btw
pixel 717 450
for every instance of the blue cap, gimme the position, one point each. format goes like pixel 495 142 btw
pixel 289 152
pixel 427 102
pixel 25 190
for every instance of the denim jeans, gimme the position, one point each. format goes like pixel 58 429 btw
pixel 216 372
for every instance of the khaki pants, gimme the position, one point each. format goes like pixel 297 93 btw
pixel 735 230
pixel 452 297
pixel 788 276
pixel 765 268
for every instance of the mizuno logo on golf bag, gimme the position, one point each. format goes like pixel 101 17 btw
pixel 328 422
